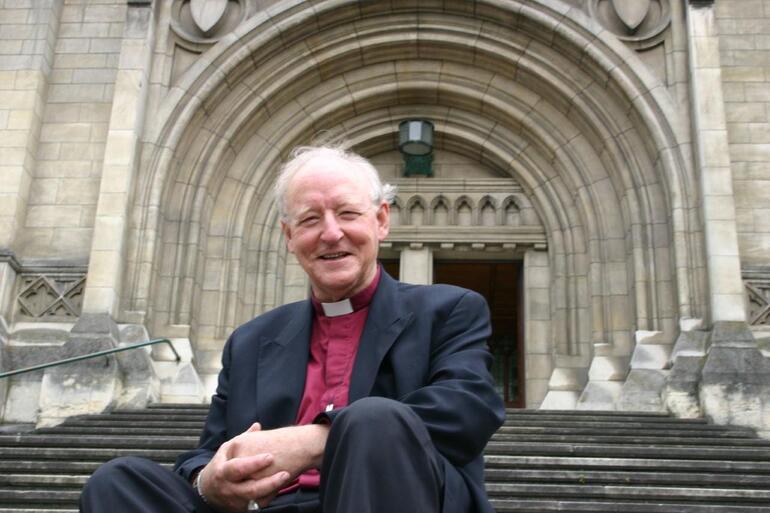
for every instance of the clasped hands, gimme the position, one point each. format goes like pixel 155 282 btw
pixel 257 464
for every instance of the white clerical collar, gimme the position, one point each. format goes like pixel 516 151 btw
pixel 343 307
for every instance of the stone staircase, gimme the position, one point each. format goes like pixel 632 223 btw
pixel 539 461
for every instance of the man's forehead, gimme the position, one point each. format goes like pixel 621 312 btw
pixel 321 172
pixel 345 186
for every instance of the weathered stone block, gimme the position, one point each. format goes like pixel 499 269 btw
pixel 140 383
pixel 600 395
pixel 735 381
pixel 89 386
pixel 643 391
pixel 563 379
pixel 21 402
pixel 651 356
pixel 560 400
pixel 180 383
pixel 690 343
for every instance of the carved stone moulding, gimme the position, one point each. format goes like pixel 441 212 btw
pixel 204 22
pixel 640 23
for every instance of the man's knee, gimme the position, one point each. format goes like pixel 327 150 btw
pixel 379 419
pixel 373 443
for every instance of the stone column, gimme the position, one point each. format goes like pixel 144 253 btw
pixel 3 366
pixel 735 380
pixel 541 390
pixel 9 267
pixel 106 261
pixel 416 264
pixel 713 161
pixel 24 77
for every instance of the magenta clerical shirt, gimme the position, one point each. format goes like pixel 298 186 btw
pixel 333 347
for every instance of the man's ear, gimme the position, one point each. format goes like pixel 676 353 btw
pixel 383 221
pixel 286 229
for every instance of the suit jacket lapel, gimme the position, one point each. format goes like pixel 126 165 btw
pixel 282 369
pixel 385 322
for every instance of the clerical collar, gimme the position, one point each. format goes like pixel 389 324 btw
pixel 343 307
pixel 349 305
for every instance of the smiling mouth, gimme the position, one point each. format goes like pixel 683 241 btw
pixel 334 256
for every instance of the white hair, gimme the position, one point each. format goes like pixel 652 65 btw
pixel 305 155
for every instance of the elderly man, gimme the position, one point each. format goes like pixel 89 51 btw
pixel 372 396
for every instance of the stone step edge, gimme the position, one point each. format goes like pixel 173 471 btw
pixel 596 506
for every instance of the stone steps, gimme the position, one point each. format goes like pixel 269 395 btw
pixel 689 452
pixel 614 506
pixel 538 462
pixel 635 439
pixel 619 463
pixel 621 477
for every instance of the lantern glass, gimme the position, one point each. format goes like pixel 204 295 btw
pixel 415 137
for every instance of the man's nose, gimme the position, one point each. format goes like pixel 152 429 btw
pixel 331 228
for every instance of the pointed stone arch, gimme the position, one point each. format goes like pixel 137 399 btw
pixel 534 90
pixel 417 211
pixel 440 202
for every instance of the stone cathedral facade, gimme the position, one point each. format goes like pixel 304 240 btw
pixel 601 172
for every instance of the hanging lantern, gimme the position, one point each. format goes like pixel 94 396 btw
pixel 415 142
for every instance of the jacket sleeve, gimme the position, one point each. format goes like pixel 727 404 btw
pixel 458 404
pixel 215 431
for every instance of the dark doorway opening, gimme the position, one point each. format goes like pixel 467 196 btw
pixel 500 284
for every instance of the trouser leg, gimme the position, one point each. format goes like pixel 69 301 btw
pixel 133 485
pixel 379 458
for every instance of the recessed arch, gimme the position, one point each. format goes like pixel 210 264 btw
pixel 550 101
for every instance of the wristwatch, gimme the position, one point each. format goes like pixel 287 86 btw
pixel 197 486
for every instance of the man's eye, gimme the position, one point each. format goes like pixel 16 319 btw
pixel 349 214
pixel 309 220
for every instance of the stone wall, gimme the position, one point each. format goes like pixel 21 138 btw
pixel 588 111
pixel 65 186
pixel 28 32
pixel 744 28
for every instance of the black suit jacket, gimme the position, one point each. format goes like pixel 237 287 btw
pixel 422 345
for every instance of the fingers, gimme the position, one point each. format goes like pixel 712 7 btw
pixel 267 487
pixel 229 484
pixel 254 427
pixel 240 469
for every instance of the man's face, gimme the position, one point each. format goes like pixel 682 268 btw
pixel 333 229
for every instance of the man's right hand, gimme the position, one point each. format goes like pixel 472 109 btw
pixel 228 481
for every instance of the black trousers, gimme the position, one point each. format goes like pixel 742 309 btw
pixel 379 458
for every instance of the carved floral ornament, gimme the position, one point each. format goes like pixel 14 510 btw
pixel 639 21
